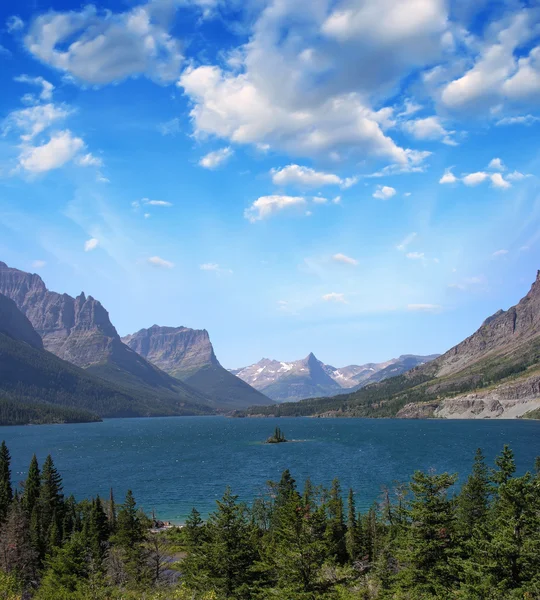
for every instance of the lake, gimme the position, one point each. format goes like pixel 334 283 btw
pixel 173 464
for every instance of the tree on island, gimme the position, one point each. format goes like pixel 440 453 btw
pixel 277 438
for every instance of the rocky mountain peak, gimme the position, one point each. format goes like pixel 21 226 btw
pixel 15 325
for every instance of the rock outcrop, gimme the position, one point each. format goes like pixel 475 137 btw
pixel 15 325
pixel 79 331
pixel 188 355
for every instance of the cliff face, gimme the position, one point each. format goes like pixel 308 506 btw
pixel 188 355
pixel 75 329
pixel 178 351
pixel 79 331
pixel 502 332
pixel 15 325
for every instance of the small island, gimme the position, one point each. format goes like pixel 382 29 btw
pixel 277 438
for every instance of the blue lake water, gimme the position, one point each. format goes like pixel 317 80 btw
pixel 173 464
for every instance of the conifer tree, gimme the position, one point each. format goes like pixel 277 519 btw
pixel 6 491
pixel 17 555
pixel 506 466
pixel 51 504
pixel 352 540
pixel 111 512
pixel 473 500
pixel 32 486
pixel 194 528
pixel 335 526
pixel 129 537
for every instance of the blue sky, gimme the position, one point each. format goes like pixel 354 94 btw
pixel 355 178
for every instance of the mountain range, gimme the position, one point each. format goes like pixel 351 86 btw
pixel 311 378
pixel 494 373
pixel 79 332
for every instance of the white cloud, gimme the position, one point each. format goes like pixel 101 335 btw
pixel 429 308
pixel 344 259
pixel 149 202
pixel 319 199
pixel 336 200
pixel 99 48
pixel 157 261
pixel 147 215
pixel 517 176
pixel 500 253
pixel 502 72
pixel 91 244
pixel 334 297
pixel 38 264
pixel 415 255
pixel 448 177
pixel 406 241
pixel 475 178
pixel 89 160
pixel 307 177
pixel 429 128
pixel 214 159
pixel 60 149
pixel 496 164
pixel 384 192
pixel 266 206
pixel 47 88
pixel 498 181
pixel 519 120
pixel 215 268
pixel 14 23
pixel 35 119
pixel 4 51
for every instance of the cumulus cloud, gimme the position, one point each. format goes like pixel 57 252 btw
pixel 429 128
pixel 157 261
pixel 498 181
pixel 267 206
pixel 47 88
pixel 214 159
pixel 496 164
pixel 102 47
pixel 307 177
pixel 519 120
pixel 502 73
pixel 448 177
pixel 476 178
pixel 402 246
pixel 60 149
pixel 91 244
pixel 334 297
pixel 34 120
pixel 344 259
pixel 384 192
pixel 429 308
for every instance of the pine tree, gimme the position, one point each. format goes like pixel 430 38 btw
pixel 51 504
pixel 111 512
pixel 428 546
pixel 352 540
pixel 6 491
pixel 473 500
pixel 97 530
pixel 17 554
pixel 194 529
pixel 335 526
pixel 506 466
pixel 129 537
pixel 32 486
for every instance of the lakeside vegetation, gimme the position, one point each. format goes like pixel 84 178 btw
pixel 422 541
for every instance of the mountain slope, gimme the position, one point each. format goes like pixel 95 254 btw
pixel 79 331
pixel 187 354
pixel 494 373
pixel 310 378
pixel 281 381
pixel 33 379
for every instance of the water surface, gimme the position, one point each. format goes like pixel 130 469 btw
pixel 173 464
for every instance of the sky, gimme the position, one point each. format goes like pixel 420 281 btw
pixel 352 178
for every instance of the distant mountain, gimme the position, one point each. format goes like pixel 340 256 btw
pixel 494 373
pixel 311 378
pixel 188 355
pixel 79 331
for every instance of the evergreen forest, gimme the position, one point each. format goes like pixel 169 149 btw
pixel 423 540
